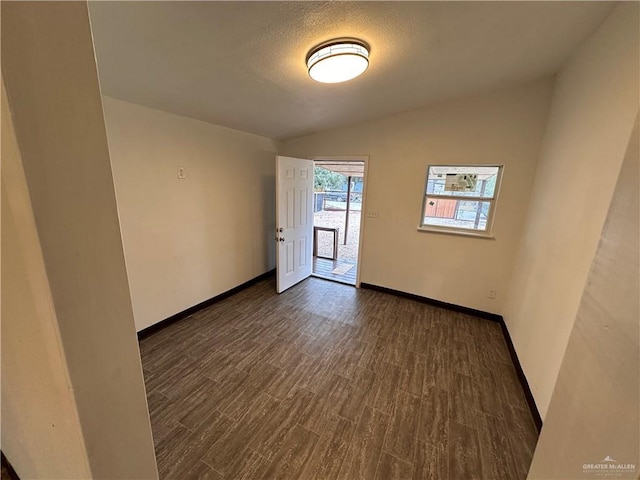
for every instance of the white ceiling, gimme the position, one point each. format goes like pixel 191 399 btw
pixel 241 64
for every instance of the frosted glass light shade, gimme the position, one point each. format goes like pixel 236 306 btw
pixel 338 61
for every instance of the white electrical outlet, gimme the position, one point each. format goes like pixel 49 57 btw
pixel 182 174
pixel 491 294
pixel 372 213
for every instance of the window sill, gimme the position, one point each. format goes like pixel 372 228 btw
pixel 484 235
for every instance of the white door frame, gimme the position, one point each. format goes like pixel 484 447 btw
pixel 365 160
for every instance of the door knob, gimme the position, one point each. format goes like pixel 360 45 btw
pixel 282 239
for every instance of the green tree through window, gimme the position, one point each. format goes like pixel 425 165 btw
pixel 328 180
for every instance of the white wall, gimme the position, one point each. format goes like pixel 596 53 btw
pixel 594 105
pixel 503 127
pixel 48 442
pixel 595 407
pixel 188 240
pixel 48 64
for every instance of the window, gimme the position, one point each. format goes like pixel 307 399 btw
pixel 460 198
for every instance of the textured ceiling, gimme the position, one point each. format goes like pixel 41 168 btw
pixel 241 64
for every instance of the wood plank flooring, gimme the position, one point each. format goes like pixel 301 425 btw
pixel 327 381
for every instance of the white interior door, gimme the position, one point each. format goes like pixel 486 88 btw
pixel 294 220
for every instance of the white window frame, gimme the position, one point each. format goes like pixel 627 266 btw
pixel 487 232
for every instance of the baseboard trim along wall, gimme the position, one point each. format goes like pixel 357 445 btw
pixel 145 332
pixel 7 468
pixel 535 414
pixel 537 419
pixel 436 303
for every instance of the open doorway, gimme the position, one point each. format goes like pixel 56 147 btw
pixel 337 205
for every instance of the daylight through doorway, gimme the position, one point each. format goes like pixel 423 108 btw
pixel 338 192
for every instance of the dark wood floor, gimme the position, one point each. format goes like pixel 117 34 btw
pixel 328 381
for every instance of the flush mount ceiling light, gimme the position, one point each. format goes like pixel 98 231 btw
pixel 338 60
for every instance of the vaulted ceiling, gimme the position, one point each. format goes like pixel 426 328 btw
pixel 241 64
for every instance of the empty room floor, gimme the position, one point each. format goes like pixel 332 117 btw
pixel 328 381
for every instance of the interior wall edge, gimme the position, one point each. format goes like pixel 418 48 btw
pixel 594 103
pixel 49 66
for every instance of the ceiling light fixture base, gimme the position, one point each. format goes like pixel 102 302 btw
pixel 338 60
